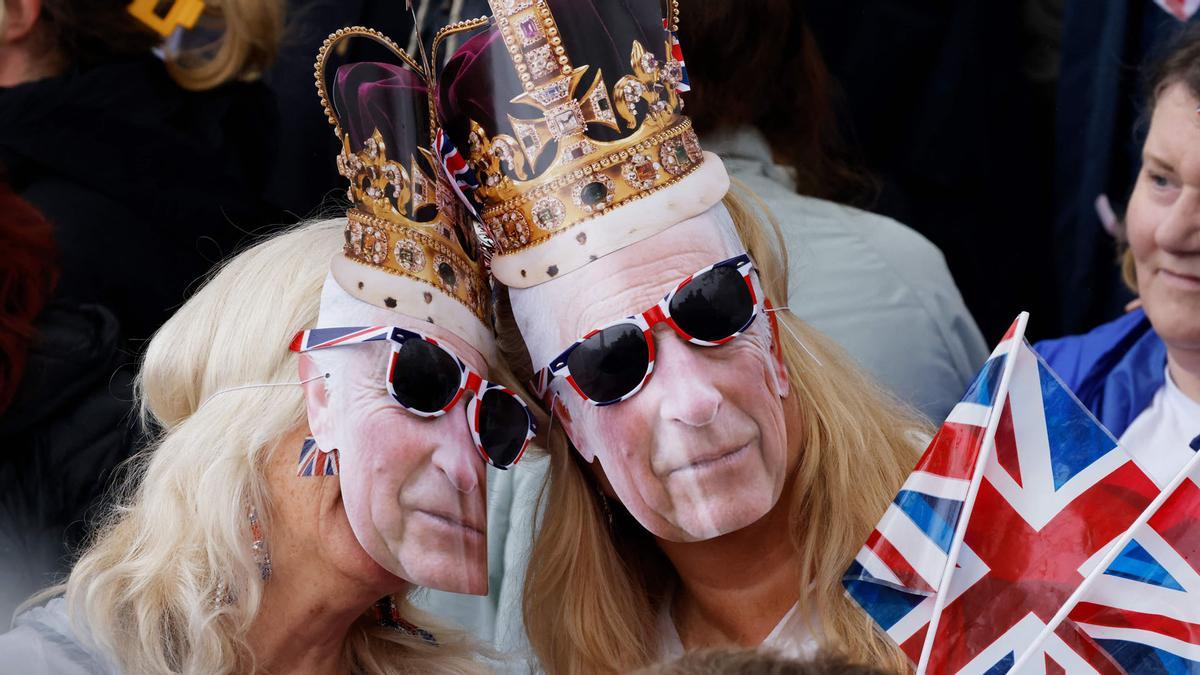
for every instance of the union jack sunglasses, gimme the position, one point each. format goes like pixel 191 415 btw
pixel 612 363
pixel 427 380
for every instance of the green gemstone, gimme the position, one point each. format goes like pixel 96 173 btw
pixel 593 193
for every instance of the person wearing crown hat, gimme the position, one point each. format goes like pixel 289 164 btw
pixel 408 292
pixel 281 524
pixel 715 463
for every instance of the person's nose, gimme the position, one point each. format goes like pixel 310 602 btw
pixel 1180 232
pixel 682 381
pixel 455 454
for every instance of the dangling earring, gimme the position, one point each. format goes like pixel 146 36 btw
pixel 388 616
pixel 605 507
pixel 317 462
pixel 262 557
pixel 222 596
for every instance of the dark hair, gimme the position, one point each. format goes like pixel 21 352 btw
pixel 1180 65
pixel 755 62
pixel 757 662
pixel 89 33
pixel 26 281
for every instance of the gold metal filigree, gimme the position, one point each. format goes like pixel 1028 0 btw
pixel 392 227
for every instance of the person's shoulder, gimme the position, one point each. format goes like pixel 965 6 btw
pixel 890 237
pixel 859 236
pixel 43 642
pixel 1073 357
pixel 802 216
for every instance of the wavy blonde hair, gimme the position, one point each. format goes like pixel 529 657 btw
pixel 147 590
pixel 247 36
pixel 592 589
pixel 251 31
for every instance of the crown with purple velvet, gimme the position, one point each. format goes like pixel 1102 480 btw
pixel 569 116
pixel 409 246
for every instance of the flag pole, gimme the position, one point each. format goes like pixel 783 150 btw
pixel 1115 550
pixel 960 530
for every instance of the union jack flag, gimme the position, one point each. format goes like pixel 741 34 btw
pixel 684 83
pixel 1056 490
pixel 462 179
pixel 318 338
pixel 1144 610
pixel 315 461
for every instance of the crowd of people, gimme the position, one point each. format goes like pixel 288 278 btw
pixel 580 337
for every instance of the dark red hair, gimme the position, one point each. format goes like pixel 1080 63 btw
pixel 27 277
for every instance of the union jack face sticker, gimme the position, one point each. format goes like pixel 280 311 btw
pixel 316 462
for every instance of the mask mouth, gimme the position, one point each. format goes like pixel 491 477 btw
pixel 440 508
pixel 709 461
pixel 452 521
pixel 698 451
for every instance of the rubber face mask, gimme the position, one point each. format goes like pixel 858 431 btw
pixel 665 367
pixel 414 487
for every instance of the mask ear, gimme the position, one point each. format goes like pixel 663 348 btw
pixel 563 416
pixel 779 370
pixel 316 400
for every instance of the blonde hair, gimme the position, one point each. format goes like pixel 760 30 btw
pixel 731 661
pixel 592 589
pixel 249 41
pixel 151 588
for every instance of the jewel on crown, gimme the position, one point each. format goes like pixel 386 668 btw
pixel 592 143
pixel 404 218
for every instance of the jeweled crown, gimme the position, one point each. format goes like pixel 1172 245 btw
pixel 405 219
pixel 566 110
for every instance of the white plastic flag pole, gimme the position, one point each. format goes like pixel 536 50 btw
pixel 1118 546
pixel 985 453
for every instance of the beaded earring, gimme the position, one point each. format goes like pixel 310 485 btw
pixel 261 555
pixel 388 615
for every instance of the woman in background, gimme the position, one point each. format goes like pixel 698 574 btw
pixel 148 171
pixel 220 558
pixel 879 289
pixel 1140 374
pixel 109 141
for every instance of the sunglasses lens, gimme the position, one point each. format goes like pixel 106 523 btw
pixel 714 305
pixel 503 425
pixel 425 377
pixel 610 363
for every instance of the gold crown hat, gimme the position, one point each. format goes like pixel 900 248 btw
pixel 409 246
pixel 569 117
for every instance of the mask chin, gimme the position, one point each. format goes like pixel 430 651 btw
pixel 587 455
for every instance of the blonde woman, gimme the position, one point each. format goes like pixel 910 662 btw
pixel 715 463
pixel 278 523
pixel 219 557
pixel 611 585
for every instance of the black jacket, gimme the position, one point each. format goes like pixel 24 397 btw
pixel 147 185
pixel 69 426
